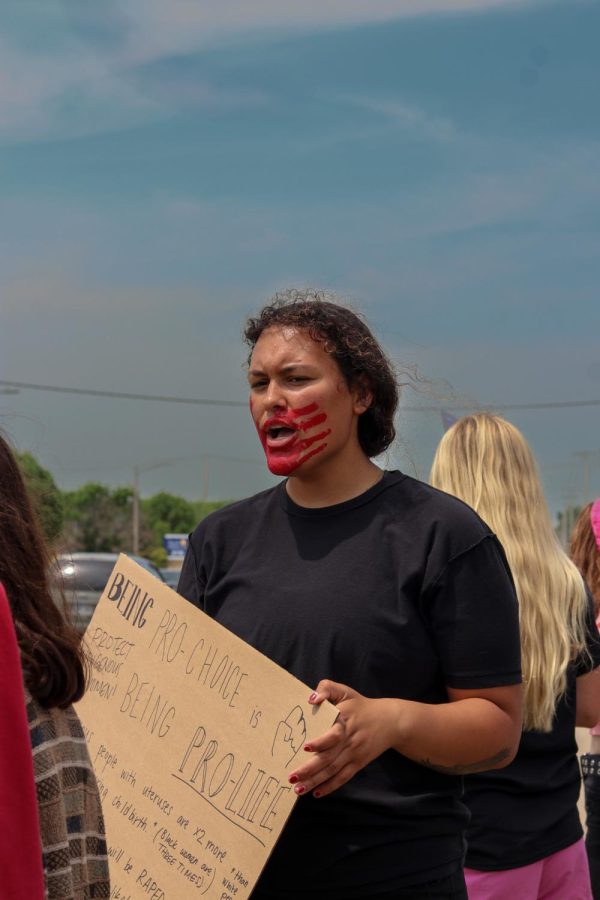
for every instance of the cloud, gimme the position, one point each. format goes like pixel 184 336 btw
pixel 79 91
pixel 53 291
pixel 85 88
pixel 555 188
pixel 407 117
pixel 497 232
pixel 158 29
pixel 86 73
pixel 45 293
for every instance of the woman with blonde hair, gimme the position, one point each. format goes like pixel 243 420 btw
pixel 525 839
pixel 585 553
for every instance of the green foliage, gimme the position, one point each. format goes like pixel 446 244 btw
pixel 202 508
pixel 46 497
pixel 157 555
pixel 123 497
pixel 161 514
pixel 98 519
pixel 166 513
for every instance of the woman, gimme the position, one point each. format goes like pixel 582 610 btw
pixel 370 579
pixel 70 817
pixel 585 553
pixel 525 838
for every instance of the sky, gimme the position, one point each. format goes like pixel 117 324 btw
pixel 165 168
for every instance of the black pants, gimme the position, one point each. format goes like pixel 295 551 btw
pixel 590 765
pixel 452 887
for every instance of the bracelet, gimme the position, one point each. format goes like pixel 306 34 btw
pixel 590 764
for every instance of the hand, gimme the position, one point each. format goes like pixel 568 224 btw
pixel 362 732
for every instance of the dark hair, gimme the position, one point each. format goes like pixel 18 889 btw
pixel 585 553
pixel 347 338
pixel 51 651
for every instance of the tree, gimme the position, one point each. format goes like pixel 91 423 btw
pixel 98 519
pixel 166 513
pixel 202 508
pixel 47 498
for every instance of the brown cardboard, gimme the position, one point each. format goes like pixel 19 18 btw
pixel 193 734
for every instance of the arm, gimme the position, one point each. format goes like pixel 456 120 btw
pixel 588 699
pixel 475 731
pixel 478 730
pixel 588 673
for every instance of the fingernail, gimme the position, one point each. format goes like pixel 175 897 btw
pixel 293 779
pixel 308 748
pixel 316 794
pixel 299 789
pixel 313 697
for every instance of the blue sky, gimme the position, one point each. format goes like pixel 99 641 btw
pixel 166 167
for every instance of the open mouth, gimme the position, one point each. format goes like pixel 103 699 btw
pixel 280 432
pixel 277 435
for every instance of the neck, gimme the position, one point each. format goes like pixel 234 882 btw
pixel 329 488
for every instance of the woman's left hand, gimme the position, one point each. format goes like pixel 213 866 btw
pixel 362 732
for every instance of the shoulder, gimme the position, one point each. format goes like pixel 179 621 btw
pixel 441 535
pixel 52 725
pixel 438 516
pixel 41 726
pixel 233 516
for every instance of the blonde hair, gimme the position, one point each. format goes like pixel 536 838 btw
pixel 486 461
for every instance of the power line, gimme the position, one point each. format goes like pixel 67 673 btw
pixel 197 401
pixel 120 395
pixel 557 404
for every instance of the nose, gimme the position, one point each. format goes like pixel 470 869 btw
pixel 275 399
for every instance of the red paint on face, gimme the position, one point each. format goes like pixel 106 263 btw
pixel 287 452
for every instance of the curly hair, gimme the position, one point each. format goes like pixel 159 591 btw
pixel 585 553
pixel 349 341
pixel 52 656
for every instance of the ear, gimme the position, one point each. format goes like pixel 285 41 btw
pixel 363 395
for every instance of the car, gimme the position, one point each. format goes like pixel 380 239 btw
pixel 81 577
pixel 171 576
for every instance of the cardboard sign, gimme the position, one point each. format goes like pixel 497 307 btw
pixel 193 734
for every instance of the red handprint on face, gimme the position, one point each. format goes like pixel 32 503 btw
pixel 290 438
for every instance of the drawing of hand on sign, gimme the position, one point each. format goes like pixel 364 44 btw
pixel 289 736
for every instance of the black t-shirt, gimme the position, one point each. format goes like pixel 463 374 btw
pixel 528 810
pixel 399 592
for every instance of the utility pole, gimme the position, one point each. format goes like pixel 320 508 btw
pixel 587 457
pixel 135 505
pixel 569 500
pixel 135 543
pixel 205 475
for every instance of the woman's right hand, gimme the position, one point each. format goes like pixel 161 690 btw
pixel 362 731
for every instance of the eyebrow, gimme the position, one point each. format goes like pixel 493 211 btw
pixel 285 369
